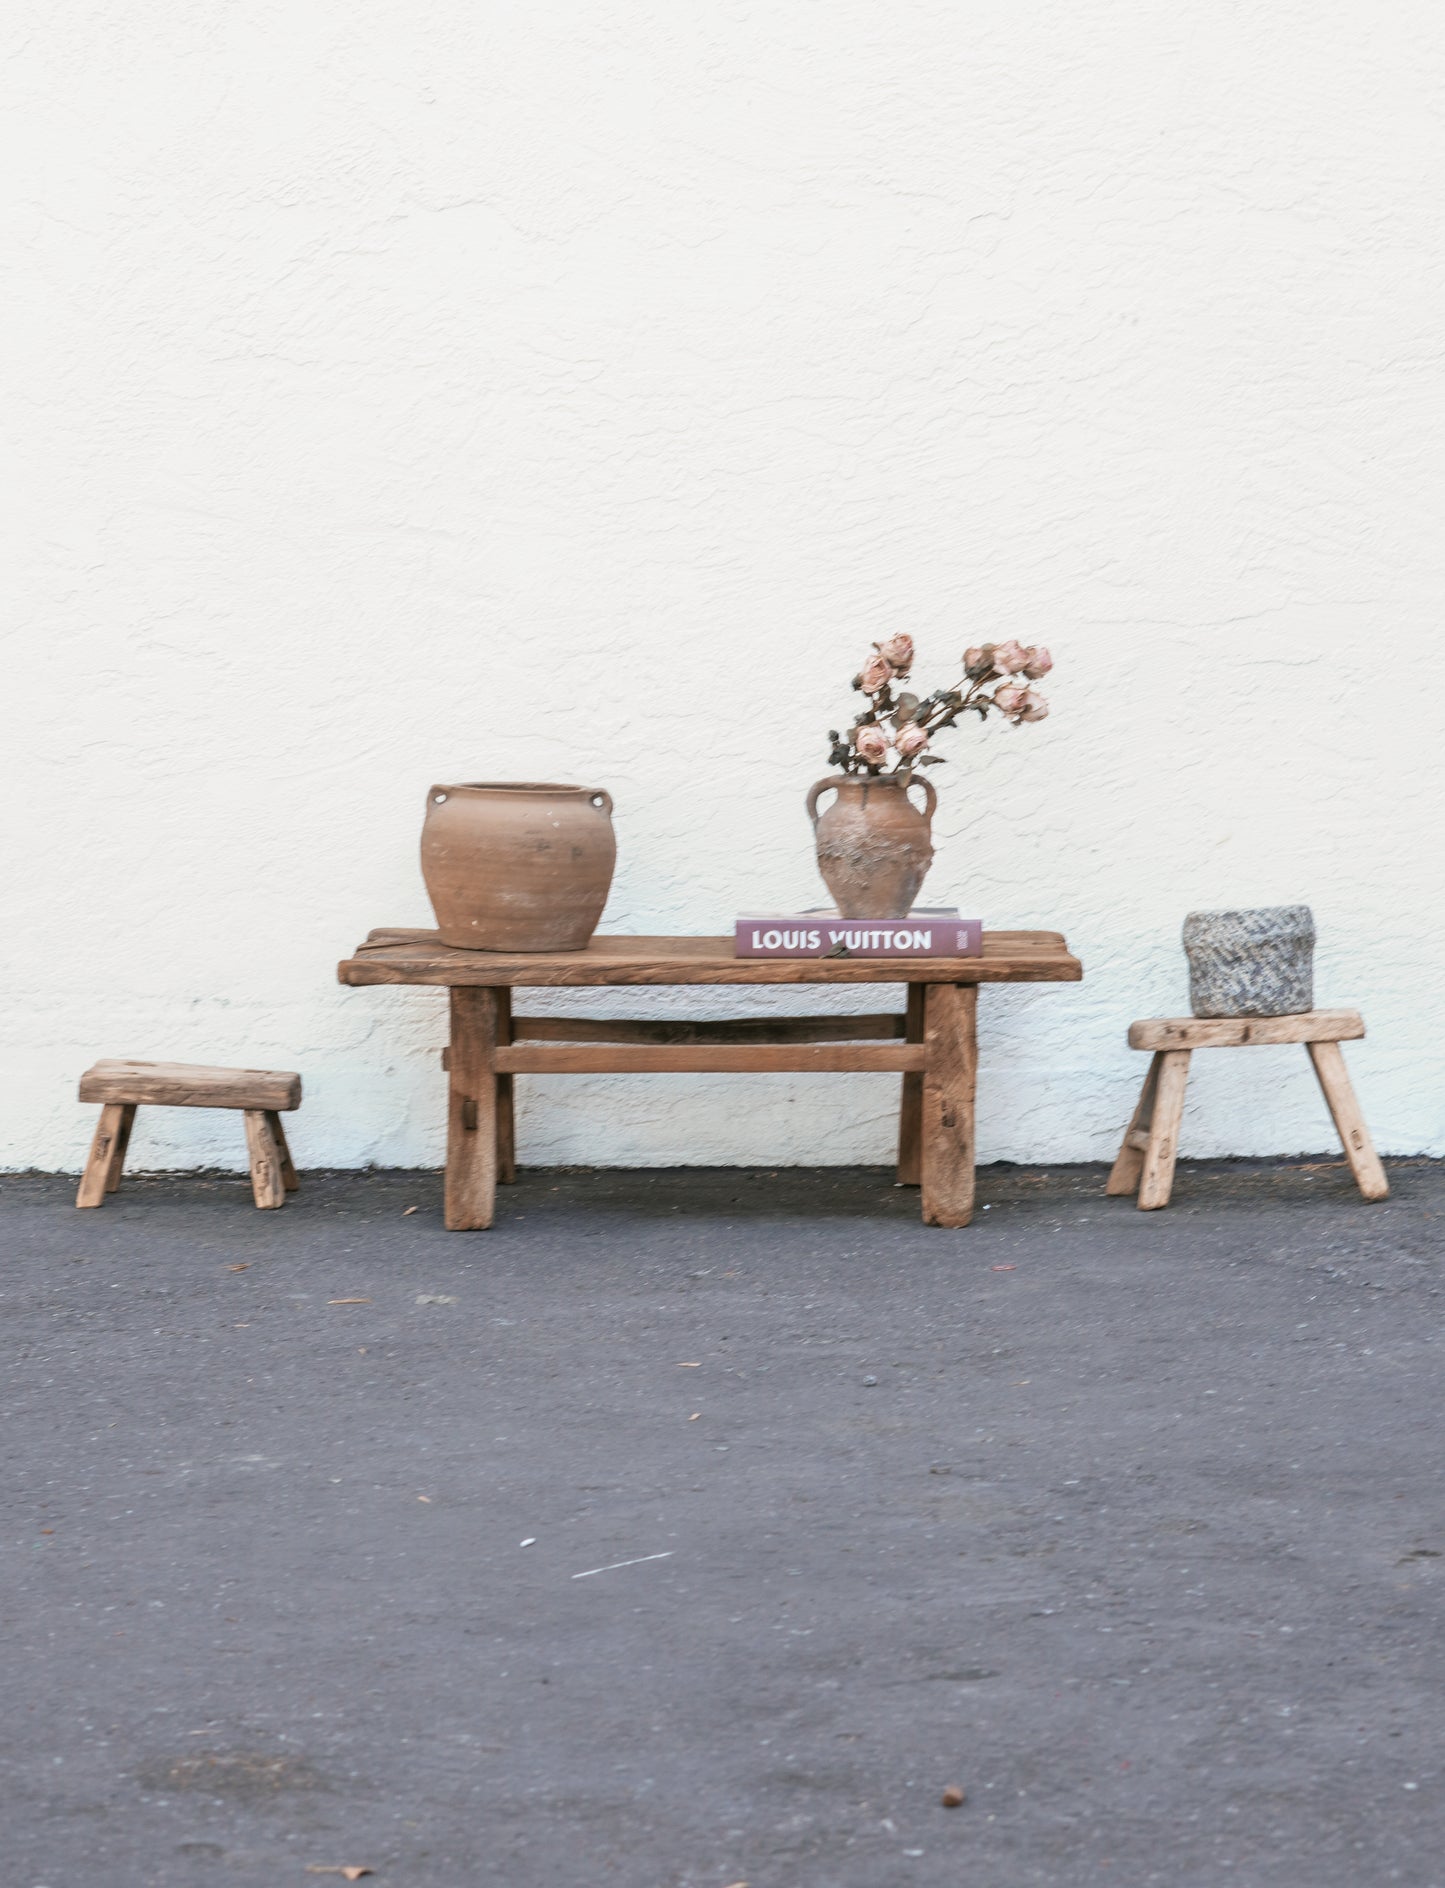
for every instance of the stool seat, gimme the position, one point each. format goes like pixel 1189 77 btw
pixel 190 1085
pixel 1151 1140
pixel 262 1096
pixel 1243 1032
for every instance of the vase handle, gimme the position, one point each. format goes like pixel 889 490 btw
pixel 922 780
pixel 602 799
pixel 819 787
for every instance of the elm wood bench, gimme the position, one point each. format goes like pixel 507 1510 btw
pixel 932 1044
pixel 121 1087
pixel 1151 1140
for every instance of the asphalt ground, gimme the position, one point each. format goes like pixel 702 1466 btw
pixel 696 1528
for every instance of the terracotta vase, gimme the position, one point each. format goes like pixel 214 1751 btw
pixel 874 846
pixel 516 866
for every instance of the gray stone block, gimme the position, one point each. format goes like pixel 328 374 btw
pixel 1251 963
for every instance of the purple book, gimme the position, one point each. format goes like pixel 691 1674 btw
pixel 923 933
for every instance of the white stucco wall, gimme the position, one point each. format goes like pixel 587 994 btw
pixel 400 394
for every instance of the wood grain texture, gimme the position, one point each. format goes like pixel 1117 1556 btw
pixel 95 1180
pixel 1156 1180
pixel 951 1045
pixel 836 1058
pixel 1236 1032
pixel 268 1187
pixel 1124 1176
pixel 408 956
pixel 506 1099
pixel 1329 1064
pixel 773 1029
pixel 188 1085
pixel 289 1178
pixel 678 1029
pixel 471 1175
pixel 910 1106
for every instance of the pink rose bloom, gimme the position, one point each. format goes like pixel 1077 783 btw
pixel 1012 698
pixel 871 744
pixel 910 740
pixel 875 675
pixel 977 662
pixel 898 650
pixel 1039 663
pixel 1035 707
pixel 1010 656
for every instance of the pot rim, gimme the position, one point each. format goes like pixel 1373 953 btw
pixel 867 780
pixel 509 786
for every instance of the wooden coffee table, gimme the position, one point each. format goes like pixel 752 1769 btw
pixel 932 1044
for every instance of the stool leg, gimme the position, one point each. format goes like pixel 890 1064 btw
pixel 1124 1178
pixel 267 1185
pixel 1329 1062
pixel 1157 1181
pixel 122 1142
pixel 112 1130
pixel 910 1112
pixel 288 1170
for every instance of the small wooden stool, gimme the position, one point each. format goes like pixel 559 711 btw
pixel 1151 1140
pixel 122 1087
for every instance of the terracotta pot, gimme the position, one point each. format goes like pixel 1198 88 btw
pixel 516 866
pixel 874 846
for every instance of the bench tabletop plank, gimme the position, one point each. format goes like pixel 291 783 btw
pixel 395 955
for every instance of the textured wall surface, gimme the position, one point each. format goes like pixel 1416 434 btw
pixel 405 394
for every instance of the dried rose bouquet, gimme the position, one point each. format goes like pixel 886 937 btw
pixel 904 724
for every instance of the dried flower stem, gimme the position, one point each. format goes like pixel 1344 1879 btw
pixel 905 724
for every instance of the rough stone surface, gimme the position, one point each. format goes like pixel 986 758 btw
pixel 1251 963
pixel 456 392
pixel 1136 1541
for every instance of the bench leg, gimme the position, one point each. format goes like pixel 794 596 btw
pixel 288 1170
pixel 506 1117
pixel 1124 1177
pixel 1329 1061
pixel 471 1177
pixel 950 1032
pixel 107 1153
pixel 1157 1180
pixel 910 1112
pixel 267 1185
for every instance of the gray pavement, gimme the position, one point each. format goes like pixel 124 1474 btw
pixel 1127 1525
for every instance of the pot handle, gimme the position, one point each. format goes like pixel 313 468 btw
pixel 922 780
pixel 819 787
pixel 601 799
